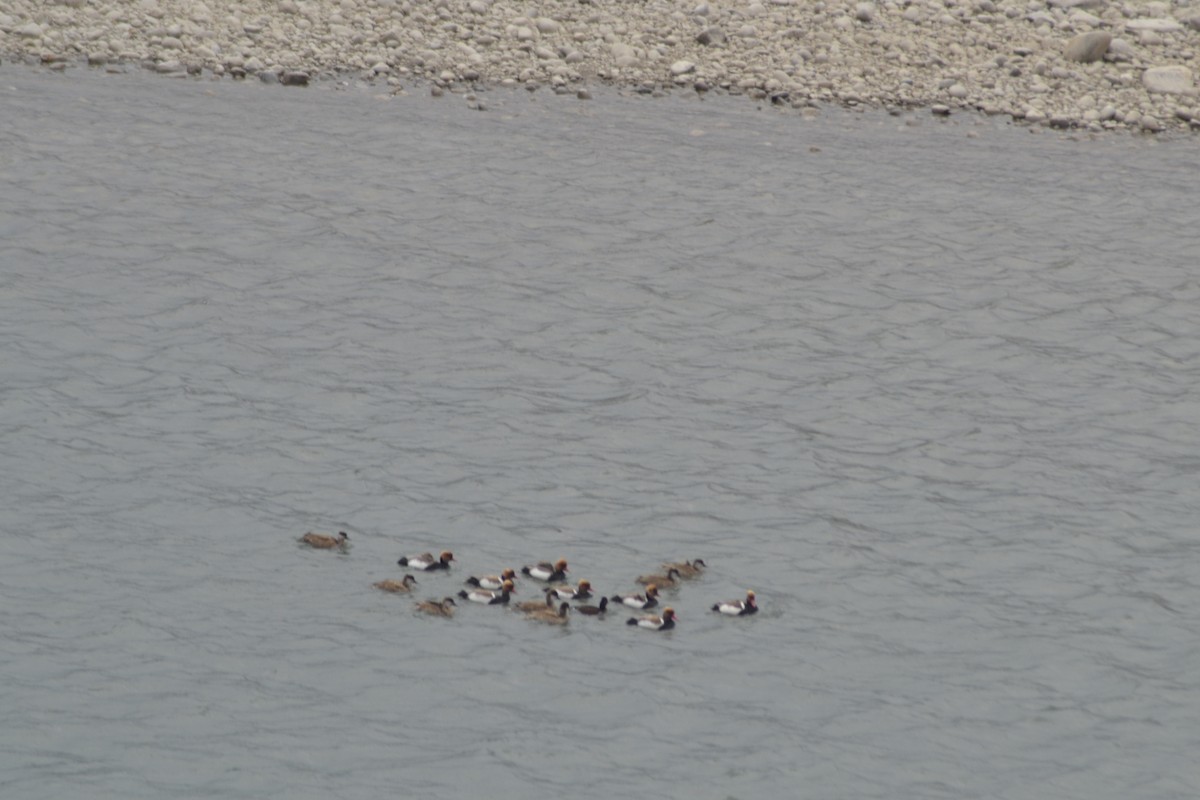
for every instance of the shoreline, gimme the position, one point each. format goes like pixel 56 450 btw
pixel 1090 65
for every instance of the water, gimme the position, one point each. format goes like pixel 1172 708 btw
pixel 932 397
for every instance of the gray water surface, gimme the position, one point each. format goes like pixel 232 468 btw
pixel 933 398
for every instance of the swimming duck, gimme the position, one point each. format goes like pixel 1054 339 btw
pixel 687 569
pixel 592 611
pixel 648 600
pixel 545 571
pixel 549 615
pixel 426 561
pixel 668 579
pixel 397 587
pixel 535 605
pixel 322 542
pixel 489 597
pixel 738 608
pixel 660 623
pixel 492 581
pixel 439 608
pixel 581 592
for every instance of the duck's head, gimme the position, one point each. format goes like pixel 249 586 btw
pixel 669 613
pixel 699 562
pixel 447 555
pixel 652 590
pixel 508 572
pixel 507 586
pixel 449 601
pixel 584 585
pixel 408 579
pixel 560 565
pixel 562 610
pixel 343 536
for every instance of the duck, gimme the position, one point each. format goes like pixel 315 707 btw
pixel 664 622
pixel 738 608
pixel 536 605
pixel 668 579
pixel 545 571
pixel 427 562
pixel 438 608
pixel 581 592
pixel 492 581
pixel 397 587
pixel 592 611
pixel 648 600
pixel 491 597
pixel 322 542
pixel 687 569
pixel 550 615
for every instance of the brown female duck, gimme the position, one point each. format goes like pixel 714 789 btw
pixel 550 616
pixel 323 542
pixel 687 569
pixel 397 587
pixel 438 608
pixel 660 580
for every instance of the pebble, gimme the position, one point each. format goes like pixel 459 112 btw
pixel 1169 80
pixel 1083 59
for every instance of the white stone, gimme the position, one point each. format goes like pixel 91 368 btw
pixel 30 30
pixel 1121 50
pixel 864 12
pixel 682 67
pixel 1156 25
pixel 1169 80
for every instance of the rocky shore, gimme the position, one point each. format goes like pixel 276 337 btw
pixel 1090 64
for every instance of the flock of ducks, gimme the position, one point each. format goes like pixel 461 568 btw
pixel 553 610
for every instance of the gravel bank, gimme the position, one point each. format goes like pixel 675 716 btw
pixel 1090 64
